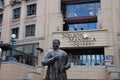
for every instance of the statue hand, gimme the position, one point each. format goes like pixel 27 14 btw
pixel 56 57
pixel 67 66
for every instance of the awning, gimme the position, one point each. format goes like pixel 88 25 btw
pixel 5 46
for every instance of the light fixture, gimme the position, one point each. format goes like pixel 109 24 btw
pixel 13 36
pixel 0 56
pixel 0 51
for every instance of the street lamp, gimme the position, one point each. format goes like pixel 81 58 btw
pixel 11 58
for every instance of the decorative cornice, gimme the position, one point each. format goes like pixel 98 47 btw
pixel 30 39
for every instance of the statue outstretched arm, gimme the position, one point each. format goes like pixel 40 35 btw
pixel 47 59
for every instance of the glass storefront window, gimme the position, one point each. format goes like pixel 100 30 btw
pixel 98 59
pixel 24 53
pixel 35 51
pixel 20 48
pixel 78 10
pixel 86 56
pixel 83 26
pixel 88 59
pixel 29 55
pixel 92 60
pixel 28 49
pixel 84 59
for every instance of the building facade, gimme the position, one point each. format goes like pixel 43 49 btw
pixel 89 31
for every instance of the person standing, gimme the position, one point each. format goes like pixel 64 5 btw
pixel 57 62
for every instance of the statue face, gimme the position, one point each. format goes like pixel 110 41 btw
pixel 55 44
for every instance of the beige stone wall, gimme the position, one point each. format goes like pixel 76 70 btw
pixel 15 71
pixel 34 75
pixel 109 19
pixel 12 70
pixel 86 73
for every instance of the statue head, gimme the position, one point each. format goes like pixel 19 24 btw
pixel 56 44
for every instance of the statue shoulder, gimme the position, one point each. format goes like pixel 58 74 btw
pixel 49 52
pixel 63 52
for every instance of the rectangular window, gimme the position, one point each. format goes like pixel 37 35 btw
pixel 91 57
pixel 30 30
pixel 27 53
pixel 31 9
pixel 80 15
pixel 15 31
pixel 19 48
pixel 78 10
pixel 1 18
pixel 16 13
pixel 28 49
pixel 83 26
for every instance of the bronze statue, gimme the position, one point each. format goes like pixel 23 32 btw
pixel 57 62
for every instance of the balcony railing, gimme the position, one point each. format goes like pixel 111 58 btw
pixel 83 38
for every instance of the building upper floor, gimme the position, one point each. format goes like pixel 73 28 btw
pixel 34 18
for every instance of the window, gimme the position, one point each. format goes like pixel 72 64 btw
pixel 29 53
pixel 82 26
pixel 31 9
pixel 1 3
pixel 16 13
pixel 15 31
pixel 91 57
pixel 80 15
pixel 28 49
pixel 30 30
pixel 1 18
pixel 77 10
